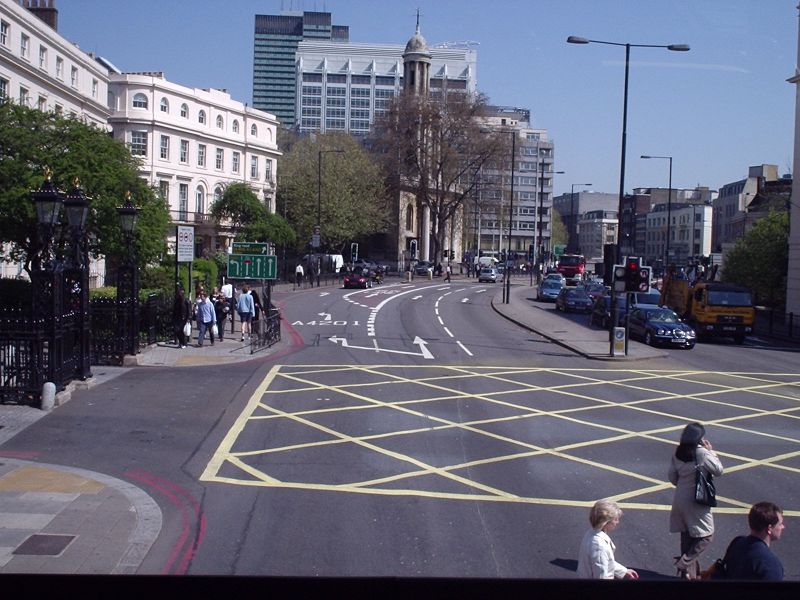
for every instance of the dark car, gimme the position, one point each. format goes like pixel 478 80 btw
pixel 601 311
pixel 548 290
pixel 572 299
pixel 660 326
pixel 359 278
pixel 594 289
pixel 422 267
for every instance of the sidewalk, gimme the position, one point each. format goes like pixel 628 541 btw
pixel 58 519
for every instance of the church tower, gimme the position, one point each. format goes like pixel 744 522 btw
pixel 417 64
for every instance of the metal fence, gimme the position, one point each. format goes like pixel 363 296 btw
pixel 266 331
pixel 777 324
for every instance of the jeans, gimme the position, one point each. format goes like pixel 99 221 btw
pixel 202 332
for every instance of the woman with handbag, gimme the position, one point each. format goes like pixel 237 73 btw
pixel 181 315
pixel 692 519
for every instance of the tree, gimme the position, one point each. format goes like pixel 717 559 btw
pixel 760 259
pixel 435 147
pixel 559 235
pixel 346 189
pixel 31 141
pixel 248 218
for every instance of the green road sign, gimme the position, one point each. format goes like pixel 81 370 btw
pixel 559 249
pixel 252 266
pixel 250 248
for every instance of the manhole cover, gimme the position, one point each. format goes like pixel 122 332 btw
pixel 40 544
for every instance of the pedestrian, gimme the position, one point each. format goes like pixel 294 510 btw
pixel 298 274
pixel 448 272
pixel 246 309
pixel 228 291
pixel 181 315
pixel 596 555
pixel 750 556
pixel 694 521
pixel 206 319
pixel 221 311
pixel 255 325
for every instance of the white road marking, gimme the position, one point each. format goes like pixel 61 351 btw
pixel 464 300
pixel 464 348
pixel 447 331
pixel 326 315
pixel 424 352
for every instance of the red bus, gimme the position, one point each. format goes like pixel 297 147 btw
pixel 571 265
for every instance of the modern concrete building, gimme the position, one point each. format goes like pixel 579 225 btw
pixel 572 207
pixel 41 69
pixel 191 143
pixel 344 86
pixel 596 228
pixel 275 44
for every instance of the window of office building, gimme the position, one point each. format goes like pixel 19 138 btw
pixel 185 110
pixel 268 170
pixel 3 88
pixel 73 78
pixel 201 117
pixel 24 46
pixel 312 77
pixel 95 85
pixel 139 101
pixel 42 104
pixel 59 68
pixel 164 105
pixel 254 130
pixel 310 123
pixel 235 162
pixel 358 92
pixel 384 80
pixel 219 162
pixel 336 78
pixel 42 57
pixel 235 126
pixel 184 151
pixel 220 122
pixel 332 123
pixel 312 90
pixel 139 143
pixel 200 200
pixel 24 96
pixel 311 111
pixel 201 155
pixel 4 29
pixel 359 114
pixel 337 91
pixel 183 201
pixel 335 102
pixel 253 167
pixel 360 79
pixel 359 102
pixel 165 147
pixel 163 190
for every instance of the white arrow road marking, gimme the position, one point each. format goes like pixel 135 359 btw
pixel 422 344
pixel 321 294
pixel 464 300
pixel 416 297
pixel 327 316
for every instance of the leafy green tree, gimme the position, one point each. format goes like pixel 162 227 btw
pixel 31 141
pixel 559 230
pixel 248 218
pixel 347 192
pixel 760 259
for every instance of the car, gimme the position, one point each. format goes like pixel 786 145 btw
pixel 651 298
pixel 548 290
pixel 572 299
pixel 489 275
pixel 364 263
pixel 594 289
pixel 556 277
pixel 660 326
pixel 601 311
pixel 359 278
pixel 423 267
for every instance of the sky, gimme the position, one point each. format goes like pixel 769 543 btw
pixel 716 110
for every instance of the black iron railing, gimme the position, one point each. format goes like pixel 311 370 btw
pixel 266 331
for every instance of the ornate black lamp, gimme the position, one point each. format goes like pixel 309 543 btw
pixel 47 200
pixel 76 276
pixel 128 281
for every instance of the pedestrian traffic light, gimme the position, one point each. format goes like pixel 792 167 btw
pixel 452 255
pixel 353 252
pixel 633 266
pixel 412 246
pixel 531 252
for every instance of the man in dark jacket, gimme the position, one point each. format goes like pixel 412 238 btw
pixel 181 313
pixel 750 557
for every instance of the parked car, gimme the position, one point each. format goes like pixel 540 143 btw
pixel 359 278
pixel 660 326
pixel 489 275
pixel 556 277
pixel 548 290
pixel 594 289
pixel 364 263
pixel 572 299
pixel 422 267
pixel 651 298
pixel 601 311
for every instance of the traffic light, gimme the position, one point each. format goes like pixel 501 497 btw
pixel 452 254
pixel 412 246
pixel 637 278
pixel 531 252
pixel 353 252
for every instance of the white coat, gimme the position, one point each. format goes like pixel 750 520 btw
pixel 686 514
pixel 596 557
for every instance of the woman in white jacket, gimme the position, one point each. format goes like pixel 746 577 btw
pixel 596 555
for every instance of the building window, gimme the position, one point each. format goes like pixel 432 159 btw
pixel 42 57
pixel 165 147
pixel 235 163
pixel 4 28
pixel 220 122
pixel 184 151
pixel 253 167
pixel 254 130
pixel 183 201
pixel 164 105
pixel 42 104
pixel 163 190
pixel 94 88
pixel 268 170
pixel 59 68
pixel 3 88
pixel 217 194
pixel 200 200
pixel 410 218
pixel 185 111
pixel 220 160
pixel 201 155
pixel 201 117
pixel 24 97
pixel 139 101
pixel 73 78
pixel 139 143
pixel 235 126
pixel 24 46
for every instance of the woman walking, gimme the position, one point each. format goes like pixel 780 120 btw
pixel 596 555
pixel 694 521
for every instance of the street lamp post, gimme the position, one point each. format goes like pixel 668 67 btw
pixel 128 282
pixel 675 48
pixel 573 217
pixel 318 228
pixel 540 210
pixel 507 273
pixel 669 207
pixel 76 276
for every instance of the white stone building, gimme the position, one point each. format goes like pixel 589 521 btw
pixel 689 232
pixel 192 142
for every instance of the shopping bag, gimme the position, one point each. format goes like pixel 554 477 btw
pixel 214 330
pixel 187 329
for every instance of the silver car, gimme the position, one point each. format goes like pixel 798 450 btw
pixel 489 275
pixel 549 289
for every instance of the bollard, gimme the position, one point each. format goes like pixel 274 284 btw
pixel 408 276
pixel 48 396
pixel 430 274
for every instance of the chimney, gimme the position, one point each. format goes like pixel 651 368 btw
pixel 45 10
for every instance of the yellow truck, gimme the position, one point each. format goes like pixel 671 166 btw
pixel 711 308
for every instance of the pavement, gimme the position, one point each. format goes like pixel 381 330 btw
pixel 62 520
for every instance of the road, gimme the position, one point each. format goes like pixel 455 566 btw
pixel 412 431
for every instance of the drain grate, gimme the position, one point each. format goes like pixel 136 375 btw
pixel 40 544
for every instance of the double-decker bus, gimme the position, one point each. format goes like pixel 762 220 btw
pixel 571 265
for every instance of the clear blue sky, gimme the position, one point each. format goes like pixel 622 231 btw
pixel 717 109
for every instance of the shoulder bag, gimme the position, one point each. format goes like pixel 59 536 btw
pixel 705 492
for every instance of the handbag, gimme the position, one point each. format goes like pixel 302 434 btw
pixel 187 329
pixel 214 329
pixel 705 492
